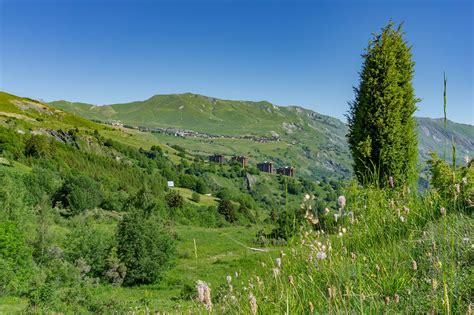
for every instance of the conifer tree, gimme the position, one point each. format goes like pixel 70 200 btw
pixel 382 135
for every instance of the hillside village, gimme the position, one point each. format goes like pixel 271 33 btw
pixel 267 167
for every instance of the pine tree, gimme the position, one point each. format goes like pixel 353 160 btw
pixel 382 135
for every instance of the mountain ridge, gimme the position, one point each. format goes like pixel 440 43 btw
pixel 287 135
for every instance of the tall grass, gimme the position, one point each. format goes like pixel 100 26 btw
pixel 399 251
pixel 400 254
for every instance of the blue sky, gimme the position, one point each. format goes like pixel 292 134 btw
pixel 287 52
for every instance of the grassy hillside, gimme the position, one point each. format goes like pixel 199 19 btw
pixel 287 135
pixel 71 183
pixel 314 143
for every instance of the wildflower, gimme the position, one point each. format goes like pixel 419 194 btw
pixel 311 307
pixel 466 159
pixel 229 279
pixel 390 182
pixel 387 299
pixel 276 272
pixel 344 230
pixel 291 280
pixel 458 188
pixel 353 255
pixel 236 274
pixel 414 265
pixel 341 202
pixel 377 267
pixel 307 197
pixel 464 180
pixel 253 303
pixel 326 210
pixel 336 216
pixel 406 210
pixel 402 219
pixel 442 211
pixel 396 298
pixel 204 294
pixel 434 284
pixel 321 255
pixel 339 234
pixel 278 262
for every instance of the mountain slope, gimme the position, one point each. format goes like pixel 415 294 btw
pixel 313 142
pixel 287 135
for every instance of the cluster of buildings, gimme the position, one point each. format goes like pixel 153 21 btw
pixel 267 167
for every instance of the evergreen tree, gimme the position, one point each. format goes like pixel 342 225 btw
pixel 382 135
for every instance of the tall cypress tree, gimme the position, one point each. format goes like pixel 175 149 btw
pixel 382 135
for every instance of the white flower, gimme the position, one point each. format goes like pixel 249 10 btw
pixel 442 211
pixel 344 230
pixel 276 272
pixel 466 159
pixel 278 262
pixel 321 255
pixel 253 303
pixel 229 279
pixel 307 197
pixel 402 219
pixel 464 180
pixel 341 202
pixel 458 188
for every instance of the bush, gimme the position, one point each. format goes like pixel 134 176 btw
pixel 226 208
pixel 38 147
pixel 382 136
pixel 174 200
pixel 92 244
pixel 16 260
pixel 144 246
pixel 196 197
pixel 79 193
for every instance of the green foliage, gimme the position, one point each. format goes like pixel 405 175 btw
pixel 382 135
pixel 227 209
pixel 144 246
pixel 92 245
pixel 196 197
pixel 455 185
pixel 79 193
pixel 16 262
pixel 38 147
pixel 174 200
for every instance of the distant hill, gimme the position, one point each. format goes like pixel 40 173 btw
pixel 292 135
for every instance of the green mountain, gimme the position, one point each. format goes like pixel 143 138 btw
pixel 291 135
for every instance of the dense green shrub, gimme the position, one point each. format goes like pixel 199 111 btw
pixel 144 246
pixel 382 135
pixel 196 197
pixel 92 244
pixel 174 200
pixel 79 193
pixel 38 147
pixel 16 261
pixel 227 209
pixel 455 185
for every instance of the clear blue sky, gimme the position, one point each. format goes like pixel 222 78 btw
pixel 287 52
